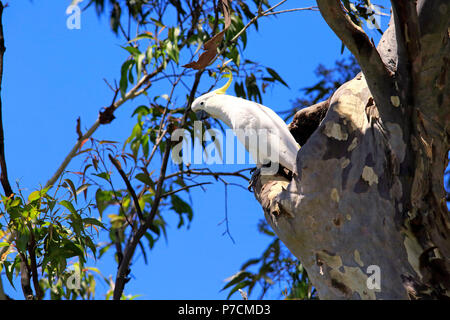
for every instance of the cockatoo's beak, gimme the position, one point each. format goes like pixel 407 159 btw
pixel 202 115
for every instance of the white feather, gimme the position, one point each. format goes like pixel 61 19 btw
pixel 240 114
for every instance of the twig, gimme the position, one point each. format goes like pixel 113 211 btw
pixel 184 188
pixel 210 173
pixel 313 8
pixel 227 231
pixel 130 189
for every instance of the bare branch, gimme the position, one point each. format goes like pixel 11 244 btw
pixel 4 175
pixel 210 173
pixel 184 188
pixel 291 10
pixel 378 77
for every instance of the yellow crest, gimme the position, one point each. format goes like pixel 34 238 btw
pixel 227 85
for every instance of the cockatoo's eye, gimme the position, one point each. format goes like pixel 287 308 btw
pixel 202 103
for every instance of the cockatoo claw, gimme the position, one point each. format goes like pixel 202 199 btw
pixel 255 173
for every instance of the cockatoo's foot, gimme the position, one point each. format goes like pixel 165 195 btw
pixel 284 172
pixel 255 173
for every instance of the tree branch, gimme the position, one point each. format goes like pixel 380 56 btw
pixel 254 19
pixel 3 296
pixel 25 277
pixel 407 24
pixel 378 77
pixel 4 175
pixel 210 173
pixel 33 266
pixel 184 188
pixel 130 189
pixel 121 277
pixel 140 87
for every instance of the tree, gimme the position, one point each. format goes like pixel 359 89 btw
pixel 277 267
pixel 366 211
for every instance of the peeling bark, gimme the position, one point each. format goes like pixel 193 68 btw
pixel 368 189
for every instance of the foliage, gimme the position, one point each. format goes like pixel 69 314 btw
pixel 48 233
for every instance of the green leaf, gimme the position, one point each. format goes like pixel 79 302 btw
pixel 239 286
pixel 236 279
pixel 9 270
pixel 93 221
pixel 149 53
pixel 180 206
pixel 103 175
pixel 69 206
pixel 72 188
pixel 158 23
pixel 123 85
pixel 172 51
pixel 276 76
pixel 71 249
pixel 139 59
pixel 141 110
pixel 132 50
pixel 103 199
pixel 142 36
pixel 15 202
pixel 82 188
pixel 145 145
pixel 35 195
pixel 142 177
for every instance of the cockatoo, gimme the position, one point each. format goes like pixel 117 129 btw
pixel 250 117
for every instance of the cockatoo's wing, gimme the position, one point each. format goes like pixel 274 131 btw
pixel 276 143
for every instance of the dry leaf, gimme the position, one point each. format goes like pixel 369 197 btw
pixel 210 46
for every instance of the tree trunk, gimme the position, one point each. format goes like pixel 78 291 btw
pixel 365 212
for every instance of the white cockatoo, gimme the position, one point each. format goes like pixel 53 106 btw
pixel 250 118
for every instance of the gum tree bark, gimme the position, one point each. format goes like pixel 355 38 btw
pixel 368 184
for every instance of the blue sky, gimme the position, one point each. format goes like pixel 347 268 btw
pixel 53 75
